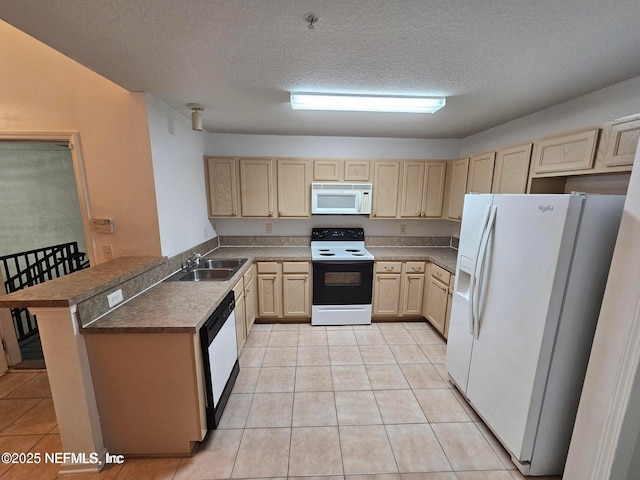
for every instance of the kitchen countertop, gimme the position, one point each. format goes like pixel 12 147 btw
pixel 182 307
pixel 74 288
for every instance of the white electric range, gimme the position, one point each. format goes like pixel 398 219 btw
pixel 342 277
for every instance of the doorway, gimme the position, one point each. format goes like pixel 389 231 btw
pixel 42 228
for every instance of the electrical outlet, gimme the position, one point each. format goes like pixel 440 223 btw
pixel 107 252
pixel 115 298
pixel 403 229
pixel 268 227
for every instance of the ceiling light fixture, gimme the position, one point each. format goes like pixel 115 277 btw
pixel 196 116
pixel 366 103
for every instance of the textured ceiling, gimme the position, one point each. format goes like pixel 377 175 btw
pixel 495 60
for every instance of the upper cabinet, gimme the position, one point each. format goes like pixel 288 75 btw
pixel 386 181
pixel 294 187
pixel 512 169
pixel 338 170
pixel 480 176
pixel 457 187
pixel 257 187
pixel 622 143
pixel 222 186
pixel 422 189
pixel 564 153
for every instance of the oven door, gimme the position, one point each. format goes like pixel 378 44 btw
pixel 346 282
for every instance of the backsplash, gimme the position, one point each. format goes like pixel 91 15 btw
pixel 96 306
pixel 371 241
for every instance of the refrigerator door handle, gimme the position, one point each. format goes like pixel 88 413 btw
pixel 473 279
pixel 478 274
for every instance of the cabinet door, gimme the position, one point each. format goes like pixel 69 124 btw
pixel 449 300
pixel 294 188
pixel 457 187
pixel 622 143
pixel 480 176
pixel 269 296
pixel 241 325
pixel 437 304
pixel 412 290
pixel 250 300
pixel 411 196
pixel 386 178
pixel 434 188
pixel 296 296
pixel 257 187
pixel 386 294
pixel 326 170
pixel 222 186
pixel 565 153
pixel 357 170
pixel 512 169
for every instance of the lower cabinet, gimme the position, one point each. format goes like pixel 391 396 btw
pixel 150 392
pixel 397 289
pixel 284 289
pixel 437 298
pixel 245 310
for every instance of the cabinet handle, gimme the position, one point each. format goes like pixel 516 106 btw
pixel 271 214
pixel 438 274
pixel 442 287
pixel 416 269
pixel 459 217
pixel 388 268
pixel 233 213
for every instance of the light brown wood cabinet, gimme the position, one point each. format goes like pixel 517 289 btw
pixel 245 310
pixel 480 175
pixel 294 188
pixel 249 280
pixel 565 153
pixel 284 295
pixel 512 169
pixel 457 187
pixel 222 186
pixel 622 143
pixel 386 183
pixel 422 189
pixel 257 187
pixel 296 291
pixel 437 298
pixel 397 289
pixel 338 170
pixel 240 314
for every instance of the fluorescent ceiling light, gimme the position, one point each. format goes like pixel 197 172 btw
pixel 366 103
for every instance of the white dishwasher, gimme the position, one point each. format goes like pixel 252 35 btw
pixel 219 358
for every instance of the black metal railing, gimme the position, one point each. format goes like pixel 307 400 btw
pixel 25 269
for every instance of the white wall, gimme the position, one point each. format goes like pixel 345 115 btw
pixel 604 105
pixel 178 170
pixel 331 147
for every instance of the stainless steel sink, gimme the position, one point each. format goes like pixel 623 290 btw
pixel 210 270
pixel 200 274
pixel 233 263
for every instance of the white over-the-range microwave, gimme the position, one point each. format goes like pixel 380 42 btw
pixel 341 198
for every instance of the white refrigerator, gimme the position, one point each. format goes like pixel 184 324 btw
pixel 530 277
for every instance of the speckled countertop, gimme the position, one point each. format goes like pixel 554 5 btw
pixel 182 307
pixel 76 287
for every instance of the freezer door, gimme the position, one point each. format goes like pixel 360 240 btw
pixel 460 339
pixel 521 296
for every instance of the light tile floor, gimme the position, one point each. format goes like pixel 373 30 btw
pixel 341 403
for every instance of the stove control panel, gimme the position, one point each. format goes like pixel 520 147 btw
pixel 338 234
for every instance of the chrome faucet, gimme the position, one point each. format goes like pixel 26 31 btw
pixel 192 262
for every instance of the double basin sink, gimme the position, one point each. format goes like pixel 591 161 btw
pixel 212 270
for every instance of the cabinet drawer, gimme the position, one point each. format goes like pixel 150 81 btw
pixel 414 267
pixel 388 267
pixel 440 273
pixel 249 275
pixel 267 267
pixel 239 288
pixel 295 267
